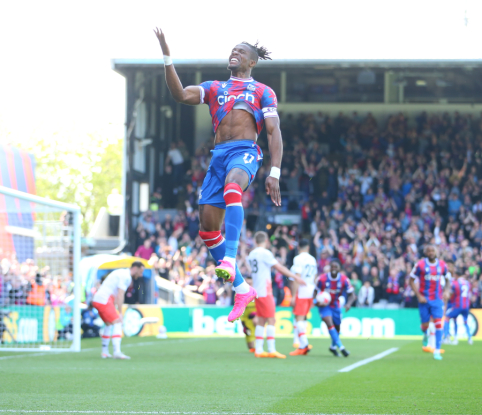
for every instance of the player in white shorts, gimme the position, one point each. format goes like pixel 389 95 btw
pixel 260 261
pixel 305 267
pixel 108 301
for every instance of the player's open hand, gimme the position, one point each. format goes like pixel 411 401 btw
pixel 422 299
pixel 272 189
pixel 162 41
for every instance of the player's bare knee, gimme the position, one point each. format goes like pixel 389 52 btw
pixel 238 176
pixel 210 218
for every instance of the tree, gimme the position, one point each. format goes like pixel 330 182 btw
pixel 78 168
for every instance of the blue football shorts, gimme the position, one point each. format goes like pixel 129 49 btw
pixel 333 312
pixel 454 312
pixel 432 308
pixel 242 154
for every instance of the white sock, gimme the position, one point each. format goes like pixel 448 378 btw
pixel 242 288
pixel 106 335
pixel 117 337
pixel 296 339
pixel 437 351
pixel 270 331
pixel 259 334
pixel 232 261
pixel 302 334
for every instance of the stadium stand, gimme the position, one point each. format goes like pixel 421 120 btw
pixel 371 194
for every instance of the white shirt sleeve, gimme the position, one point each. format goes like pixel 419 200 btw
pixel 269 259
pixel 296 268
pixel 124 281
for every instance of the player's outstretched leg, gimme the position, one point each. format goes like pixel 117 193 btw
pixel 227 267
pixel 456 339
pixel 216 244
pixel 425 347
pixel 233 223
pixel 259 344
pixel 446 337
pixel 438 339
pixel 296 338
pixel 116 341
pixel 304 346
pixel 467 329
pixel 270 335
pixel 336 340
pixel 106 335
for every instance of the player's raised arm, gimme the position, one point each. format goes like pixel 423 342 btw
pixel 190 95
pixel 287 273
pixel 276 152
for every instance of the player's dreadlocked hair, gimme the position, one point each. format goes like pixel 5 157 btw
pixel 260 51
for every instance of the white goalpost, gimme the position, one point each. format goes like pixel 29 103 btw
pixel 40 284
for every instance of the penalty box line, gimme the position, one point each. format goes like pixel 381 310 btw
pixel 369 360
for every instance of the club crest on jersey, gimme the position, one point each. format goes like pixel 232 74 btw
pixel 251 87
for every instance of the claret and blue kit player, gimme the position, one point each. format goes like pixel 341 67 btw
pixel 458 305
pixel 239 108
pixel 430 293
pixel 337 285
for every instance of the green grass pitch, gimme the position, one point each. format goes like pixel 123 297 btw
pixel 218 376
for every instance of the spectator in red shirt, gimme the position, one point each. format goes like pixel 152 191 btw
pixel 145 250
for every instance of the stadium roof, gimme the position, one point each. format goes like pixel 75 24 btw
pixel 120 65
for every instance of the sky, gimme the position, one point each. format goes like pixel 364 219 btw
pixel 55 67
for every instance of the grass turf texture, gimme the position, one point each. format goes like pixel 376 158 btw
pixel 218 375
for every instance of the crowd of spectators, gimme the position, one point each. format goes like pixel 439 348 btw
pixel 371 193
pixel 27 284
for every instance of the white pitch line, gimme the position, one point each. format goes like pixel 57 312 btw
pixel 22 355
pixel 369 360
pixel 98 348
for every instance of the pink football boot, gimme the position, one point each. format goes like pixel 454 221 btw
pixel 225 271
pixel 240 303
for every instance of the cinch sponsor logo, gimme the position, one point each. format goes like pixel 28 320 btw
pixel 222 99
pixel 432 277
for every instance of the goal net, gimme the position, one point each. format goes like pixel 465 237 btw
pixel 39 273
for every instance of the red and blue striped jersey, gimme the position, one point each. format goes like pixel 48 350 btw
pixel 430 276
pixel 335 286
pixel 222 96
pixel 460 293
pixel 393 287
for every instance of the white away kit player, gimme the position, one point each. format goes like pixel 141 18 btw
pixel 260 261
pixel 108 301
